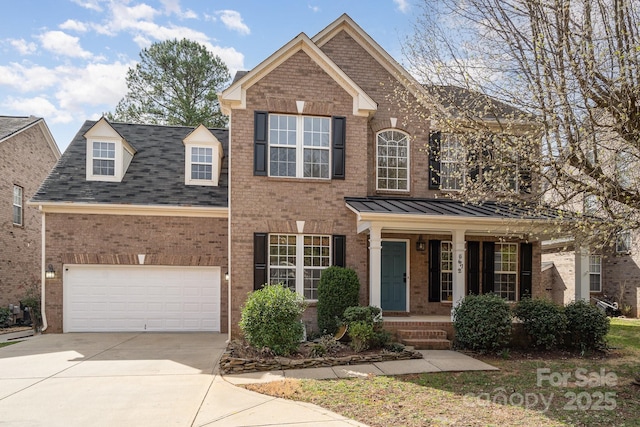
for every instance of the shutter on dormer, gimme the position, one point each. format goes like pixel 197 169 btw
pixel 260 128
pixel 339 133
pixel 339 250
pixel 434 270
pixel 488 266
pixel 434 160
pixel 526 267
pixel 260 259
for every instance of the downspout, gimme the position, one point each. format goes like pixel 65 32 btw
pixel 229 236
pixel 42 274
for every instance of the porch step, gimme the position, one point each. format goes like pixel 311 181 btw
pixel 427 343
pixel 422 333
pixel 424 339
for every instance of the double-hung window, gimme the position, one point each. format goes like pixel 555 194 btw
pixel 297 261
pixel 446 271
pixel 392 164
pixel 506 270
pixel 299 146
pixel 623 242
pixel 17 205
pixel 201 163
pixel 595 270
pixel 104 158
pixel 452 163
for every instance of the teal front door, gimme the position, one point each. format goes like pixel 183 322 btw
pixel 394 276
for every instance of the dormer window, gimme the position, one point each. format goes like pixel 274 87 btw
pixel 202 157
pixel 108 153
pixel 104 158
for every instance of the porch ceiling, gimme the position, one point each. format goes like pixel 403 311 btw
pixel 408 215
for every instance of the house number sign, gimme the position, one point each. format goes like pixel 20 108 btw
pixel 460 264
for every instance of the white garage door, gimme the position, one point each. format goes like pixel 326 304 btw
pixel 99 298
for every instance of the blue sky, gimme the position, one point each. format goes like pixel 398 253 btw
pixel 66 60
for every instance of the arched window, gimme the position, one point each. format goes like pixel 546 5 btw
pixel 392 160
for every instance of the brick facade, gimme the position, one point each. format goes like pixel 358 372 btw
pixel 118 239
pixel 26 160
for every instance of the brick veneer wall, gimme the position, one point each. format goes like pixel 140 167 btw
pixel 25 160
pixel 118 239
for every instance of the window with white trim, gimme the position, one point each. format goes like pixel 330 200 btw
pixel 446 271
pixel 506 270
pixel 104 158
pixel 623 242
pixel 590 204
pixel 201 163
pixel 453 159
pixel 297 261
pixel 299 146
pixel 595 273
pixel 623 168
pixel 392 160
pixel 17 205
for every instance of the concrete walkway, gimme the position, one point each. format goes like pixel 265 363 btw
pixel 158 379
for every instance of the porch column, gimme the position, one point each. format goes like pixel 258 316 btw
pixel 582 274
pixel 459 278
pixel 375 260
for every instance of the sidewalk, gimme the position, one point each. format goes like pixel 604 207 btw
pixel 433 361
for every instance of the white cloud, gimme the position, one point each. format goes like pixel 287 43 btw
pixel 73 25
pixel 403 5
pixel 63 44
pixel 89 4
pixel 93 85
pixel 314 9
pixel 38 106
pixel 22 46
pixel 233 21
pixel 27 78
pixel 172 7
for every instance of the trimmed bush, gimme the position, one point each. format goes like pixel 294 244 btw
pixel 5 317
pixel 338 289
pixel 482 322
pixel 271 318
pixel 587 327
pixel 365 328
pixel 543 321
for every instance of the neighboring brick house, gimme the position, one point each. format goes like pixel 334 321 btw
pixel 136 230
pixel 327 169
pixel 27 154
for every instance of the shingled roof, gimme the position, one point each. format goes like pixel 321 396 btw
pixel 154 177
pixel 10 125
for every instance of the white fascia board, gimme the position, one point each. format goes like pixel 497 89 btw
pixel 121 209
pixel 234 97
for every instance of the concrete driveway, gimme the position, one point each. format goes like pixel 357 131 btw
pixel 140 379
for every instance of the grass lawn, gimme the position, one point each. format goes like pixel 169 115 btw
pixel 542 390
pixel 4 344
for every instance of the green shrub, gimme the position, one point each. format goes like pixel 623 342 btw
pixel 587 326
pixel 364 337
pixel 338 289
pixel 5 317
pixel 32 300
pixel 482 322
pixel 544 321
pixel 361 334
pixel 271 318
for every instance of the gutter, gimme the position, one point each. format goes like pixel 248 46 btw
pixel 43 313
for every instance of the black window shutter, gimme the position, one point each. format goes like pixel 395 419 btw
pixel 434 160
pixel 525 181
pixel 340 250
pixel 434 270
pixel 260 259
pixel 473 268
pixel 526 266
pixel 488 266
pixel 260 128
pixel 339 133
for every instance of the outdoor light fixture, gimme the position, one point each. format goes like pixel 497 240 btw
pixel 421 245
pixel 50 273
pixel 226 276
